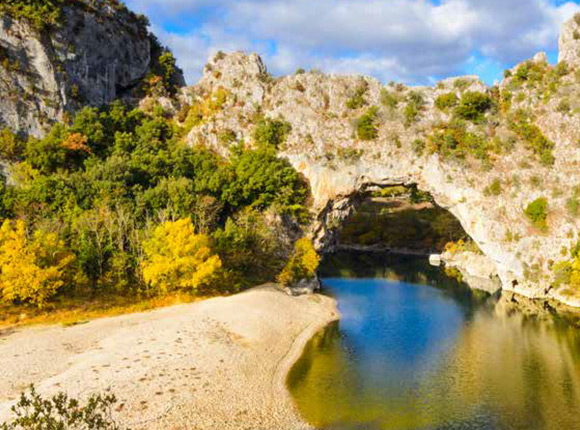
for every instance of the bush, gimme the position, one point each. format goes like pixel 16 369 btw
pixel 415 104
pixel 302 264
pixel 32 412
pixel 176 257
pixel 446 101
pixel 473 106
pixel 573 206
pixel 367 124
pixel 388 100
pixel 453 140
pixel 271 133
pixel 418 146
pixel 537 212
pixel 357 100
pixel 494 189
pixel 535 140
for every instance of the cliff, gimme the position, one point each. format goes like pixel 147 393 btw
pixel 97 51
pixel 485 168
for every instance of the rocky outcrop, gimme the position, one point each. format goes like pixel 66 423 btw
pixel 569 41
pixel 323 145
pixel 99 52
pixel 478 271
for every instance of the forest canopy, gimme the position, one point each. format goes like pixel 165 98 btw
pixel 114 193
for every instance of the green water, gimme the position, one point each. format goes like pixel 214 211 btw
pixel 415 350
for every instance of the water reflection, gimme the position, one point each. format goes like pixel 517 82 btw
pixel 435 355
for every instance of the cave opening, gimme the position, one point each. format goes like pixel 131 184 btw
pixel 390 232
pixel 398 219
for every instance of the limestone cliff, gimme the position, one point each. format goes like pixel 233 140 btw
pixel 536 105
pixel 99 51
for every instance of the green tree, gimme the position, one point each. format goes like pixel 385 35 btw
pixel 537 212
pixel 473 105
pixel 367 124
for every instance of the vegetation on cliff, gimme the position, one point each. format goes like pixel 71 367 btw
pixel 39 13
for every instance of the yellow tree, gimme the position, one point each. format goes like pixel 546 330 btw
pixel 302 264
pixel 176 257
pixel 32 269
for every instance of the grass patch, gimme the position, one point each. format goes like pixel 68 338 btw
pixel 71 312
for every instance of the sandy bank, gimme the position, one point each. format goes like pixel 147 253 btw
pixel 217 364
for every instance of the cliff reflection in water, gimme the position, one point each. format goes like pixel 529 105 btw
pixel 408 355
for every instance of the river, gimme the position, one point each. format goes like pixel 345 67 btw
pixel 417 350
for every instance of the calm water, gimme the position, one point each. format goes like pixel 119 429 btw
pixel 415 350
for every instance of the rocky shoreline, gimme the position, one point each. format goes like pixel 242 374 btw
pixel 221 363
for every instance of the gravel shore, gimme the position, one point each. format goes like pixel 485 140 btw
pixel 217 364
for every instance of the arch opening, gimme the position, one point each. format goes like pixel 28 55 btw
pixel 396 218
pixel 401 220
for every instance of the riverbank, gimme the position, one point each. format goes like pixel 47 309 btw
pixel 219 363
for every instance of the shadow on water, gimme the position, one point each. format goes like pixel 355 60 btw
pixel 417 350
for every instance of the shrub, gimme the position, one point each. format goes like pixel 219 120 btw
pixel 461 84
pixel 415 104
pixel 564 106
pixel 40 13
pixel 446 101
pixel 388 100
pixel 535 140
pixel 176 257
pixel 271 132
pixel 452 139
pixel 357 100
pixel 473 106
pixel 537 212
pixel 494 189
pixel 302 264
pixel 418 146
pixel 11 145
pixel 32 269
pixel 32 412
pixel 562 68
pixel 573 206
pixel 367 124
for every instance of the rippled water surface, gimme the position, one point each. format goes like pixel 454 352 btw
pixel 415 350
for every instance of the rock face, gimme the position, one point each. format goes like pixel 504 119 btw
pixel 100 52
pixel 569 42
pixel 476 270
pixel 323 145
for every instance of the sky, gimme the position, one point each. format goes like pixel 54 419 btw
pixel 411 41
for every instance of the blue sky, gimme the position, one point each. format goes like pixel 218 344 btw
pixel 411 41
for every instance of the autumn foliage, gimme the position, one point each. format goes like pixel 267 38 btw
pixel 302 264
pixel 176 257
pixel 32 268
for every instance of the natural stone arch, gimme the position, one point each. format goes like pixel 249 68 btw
pixel 336 191
pixel 324 145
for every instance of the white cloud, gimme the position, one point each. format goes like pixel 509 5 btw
pixel 409 40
